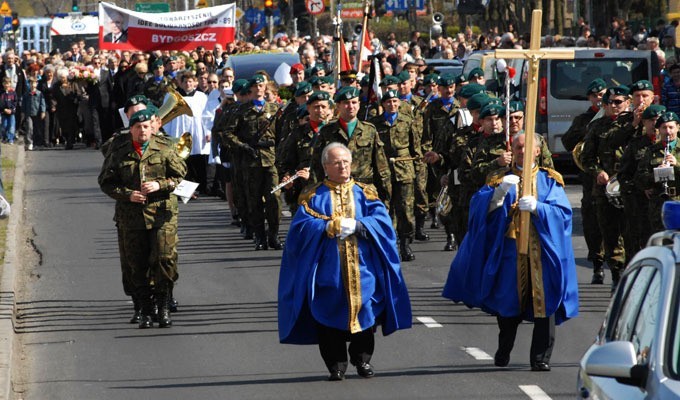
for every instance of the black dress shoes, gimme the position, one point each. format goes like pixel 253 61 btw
pixel 275 243
pixel 365 370
pixel 501 360
pixel 336 376
pixel 540 366
pixel 145 322
pixel 136 317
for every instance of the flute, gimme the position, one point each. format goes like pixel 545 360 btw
pixel 284 183
pixel 399 159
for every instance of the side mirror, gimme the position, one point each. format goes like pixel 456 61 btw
pixel 616 360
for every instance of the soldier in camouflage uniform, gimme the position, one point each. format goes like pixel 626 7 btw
pixel 369 164
pixel 664 153
pixel 396 130
pixel 415 106
pixel 603 147
pixel 367 109
pixel 288 120
pixel 436 124
pixel 156 87
pixel 140 174
pixel 572 138
pixel 251 132
pixel 298 155
pixel 638 228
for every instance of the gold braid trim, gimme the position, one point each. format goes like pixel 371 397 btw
pixel 554 175
pixel 313 213
pixel 307 193
pixel 369 190
pixel 496 177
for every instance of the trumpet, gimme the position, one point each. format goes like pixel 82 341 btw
pixel 404 159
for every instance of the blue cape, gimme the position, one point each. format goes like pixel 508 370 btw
pixel 484 272
pixel 311 287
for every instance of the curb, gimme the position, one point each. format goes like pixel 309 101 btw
pixel 7 278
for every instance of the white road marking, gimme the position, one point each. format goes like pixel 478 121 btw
pixel 477 354
pixel 534 392
pixel 429 322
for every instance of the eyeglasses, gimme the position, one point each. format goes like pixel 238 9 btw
pixel 617 102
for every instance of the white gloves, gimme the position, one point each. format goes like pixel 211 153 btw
pixel 347 227
pixel 528 203
pixel 508 182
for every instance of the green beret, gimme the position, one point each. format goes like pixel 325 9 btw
pixel 389 80
pixel 477 101
pixel 245 90
pixel 152 109
pixel 302 111
pixel 492 109
pixel 446 80
pixel 317 96
pixel 390 94
pixel 653 111
pixel 134 100
pixel 143 116
pixel 316 69
pixel 326 79
pixel 596 86
pixel 471 89
pixel 303 88
pixel 314 80
pixel 493 100
pixel 668 116
pixel 157 63
pixel 346 93
pixel 238 84
pixel 641 85
pixel 516 106
pixel 475 73
pixel 364 81
pixel 257 78
pixel 431 78
pixel 404 76
pixel 621 90
pixel 461 79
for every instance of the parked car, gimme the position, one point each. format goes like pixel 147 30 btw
pixel 245 65
pixel 636 354
pixel 445 66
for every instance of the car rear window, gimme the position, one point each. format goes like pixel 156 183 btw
pixel 569 78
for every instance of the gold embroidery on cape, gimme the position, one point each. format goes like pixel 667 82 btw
pixel 554 175
pixel 343 206
pixel 495 178
pixel 529 267
pixel 369 190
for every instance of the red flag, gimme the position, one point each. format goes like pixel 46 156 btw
pixel 345 64
pixel 374 78
pixel 365 47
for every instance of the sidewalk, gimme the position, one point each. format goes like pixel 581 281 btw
pixel 8 273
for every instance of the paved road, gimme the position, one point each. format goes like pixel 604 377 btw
pixel 77 344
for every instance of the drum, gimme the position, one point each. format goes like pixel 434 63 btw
pixel 443 202
pixel 613 192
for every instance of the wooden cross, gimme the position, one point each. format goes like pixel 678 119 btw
pixel 533 55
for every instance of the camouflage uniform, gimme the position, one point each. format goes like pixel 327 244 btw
pixel 149 231
pixel 251 133
pixel 644 179
pixel 602 150
pixel 591 230
pixel 369 164
pixel 399 140
pixel 297 155
pixel 156 90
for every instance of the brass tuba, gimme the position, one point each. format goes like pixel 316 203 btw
pixel 173 107
pixel 576 154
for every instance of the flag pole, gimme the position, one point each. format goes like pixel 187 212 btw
pixel 364 30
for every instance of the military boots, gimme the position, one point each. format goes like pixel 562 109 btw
pixel 420 229
pixel 405 251
pixel 163 303
pixel 598 274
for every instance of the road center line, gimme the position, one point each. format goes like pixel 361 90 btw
pixel 477 353
pixel 534 392
pixel 429 322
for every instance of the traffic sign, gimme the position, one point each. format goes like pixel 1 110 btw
pixel 7 25
pixel 152 7
pixel 4 9
pixel 403 5
pixel 239 13
pixel 201 4
pixel 315 7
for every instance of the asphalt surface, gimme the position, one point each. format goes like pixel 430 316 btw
pixel 74 340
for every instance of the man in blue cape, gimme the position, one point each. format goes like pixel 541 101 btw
pixel 340 275
pixel 488 272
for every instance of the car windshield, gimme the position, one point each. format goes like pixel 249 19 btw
pixel 673 349
pixel 569 77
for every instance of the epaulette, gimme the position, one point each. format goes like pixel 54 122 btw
pixel 555 175
pixel 496 177
pixel 308 192
pixel 369 190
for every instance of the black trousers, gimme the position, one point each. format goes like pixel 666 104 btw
pixel 333 347
pixel 542 340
